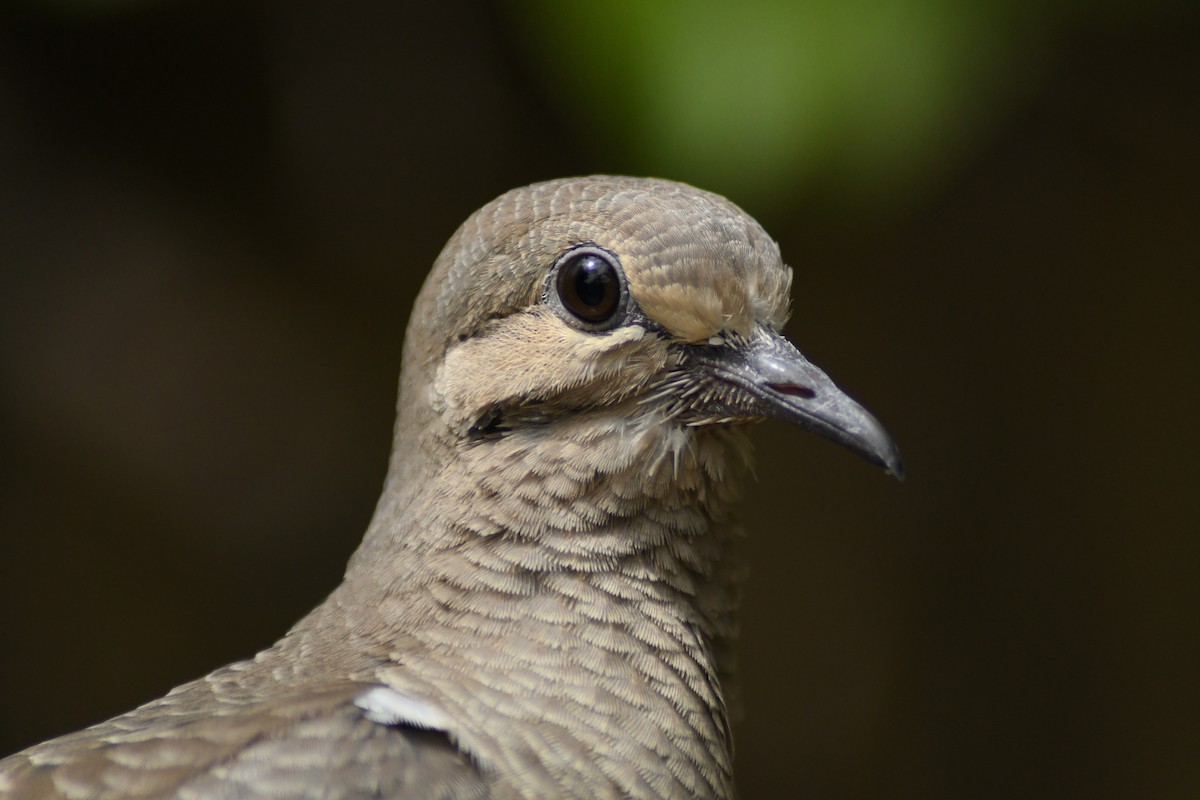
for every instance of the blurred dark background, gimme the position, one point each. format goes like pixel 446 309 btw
pixel 214 217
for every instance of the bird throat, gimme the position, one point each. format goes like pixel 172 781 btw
pixel 572 588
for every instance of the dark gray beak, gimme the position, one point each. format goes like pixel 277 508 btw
pixel 772 379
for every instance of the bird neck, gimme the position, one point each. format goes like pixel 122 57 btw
pixel 593 556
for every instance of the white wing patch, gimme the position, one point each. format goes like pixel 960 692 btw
pixel 387 706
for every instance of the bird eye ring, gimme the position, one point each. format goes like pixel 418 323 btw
pixel 588 285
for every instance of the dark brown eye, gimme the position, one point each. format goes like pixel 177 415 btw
pixel 590 287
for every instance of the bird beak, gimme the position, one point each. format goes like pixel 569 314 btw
pixel 771 378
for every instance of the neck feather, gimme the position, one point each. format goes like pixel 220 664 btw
pixel 569 584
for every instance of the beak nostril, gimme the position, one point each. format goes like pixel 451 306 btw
pixel 793 389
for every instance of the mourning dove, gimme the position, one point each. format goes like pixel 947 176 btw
pixel 543 604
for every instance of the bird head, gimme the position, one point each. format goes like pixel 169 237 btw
pixel 642 298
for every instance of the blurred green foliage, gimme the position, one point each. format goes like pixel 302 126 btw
pixel 866 99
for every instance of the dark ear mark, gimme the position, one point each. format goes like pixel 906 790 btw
pixel 490 425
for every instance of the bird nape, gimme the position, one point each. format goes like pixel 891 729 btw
pixel 543 603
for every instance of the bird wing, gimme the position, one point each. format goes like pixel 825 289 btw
pixel 300 744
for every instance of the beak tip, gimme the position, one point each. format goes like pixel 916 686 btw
pixel 871 440
pixel 877 446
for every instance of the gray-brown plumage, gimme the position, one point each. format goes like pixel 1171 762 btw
pixel 543 605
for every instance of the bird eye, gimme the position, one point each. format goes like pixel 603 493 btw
pixel 590 287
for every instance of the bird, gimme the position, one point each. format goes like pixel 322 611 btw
pixel 544 602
